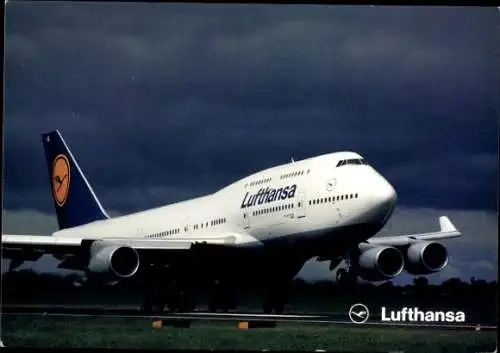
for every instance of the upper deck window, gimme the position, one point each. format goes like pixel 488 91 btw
pixel 355 161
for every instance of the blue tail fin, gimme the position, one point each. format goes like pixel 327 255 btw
pixel 74 199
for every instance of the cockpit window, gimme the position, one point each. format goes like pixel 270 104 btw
pixel 356 161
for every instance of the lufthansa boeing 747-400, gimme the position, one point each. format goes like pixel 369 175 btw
pixel 259 230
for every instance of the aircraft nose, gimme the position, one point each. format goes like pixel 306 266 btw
pixel 386 193
pixel 384 197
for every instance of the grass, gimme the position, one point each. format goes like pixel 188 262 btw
pixel 28 331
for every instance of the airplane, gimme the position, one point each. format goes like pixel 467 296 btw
pixel 257 231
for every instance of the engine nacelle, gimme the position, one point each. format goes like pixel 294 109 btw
pixel 113 261
pixel 425 257
pixel 380 263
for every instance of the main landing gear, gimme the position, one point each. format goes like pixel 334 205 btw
pixel 274 302
pixel 161 290
pixel 276 297
pixel 222 298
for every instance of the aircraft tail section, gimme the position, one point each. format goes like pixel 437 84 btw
pixel 74 199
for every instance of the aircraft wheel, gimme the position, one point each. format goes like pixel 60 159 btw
pixel 221 298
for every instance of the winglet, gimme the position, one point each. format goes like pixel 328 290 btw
pixel 446 225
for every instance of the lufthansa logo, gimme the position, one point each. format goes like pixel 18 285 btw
pixel 330 184
pixel 60 179
pixel 359 313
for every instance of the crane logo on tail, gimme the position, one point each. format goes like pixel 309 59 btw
pixel 60 179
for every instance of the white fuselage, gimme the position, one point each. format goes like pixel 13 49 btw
pixel 297 200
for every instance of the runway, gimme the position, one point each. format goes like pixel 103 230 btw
pixel 306 318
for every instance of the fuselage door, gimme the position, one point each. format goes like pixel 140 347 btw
pixel 246 219
pixel 301 205
pixel 188 227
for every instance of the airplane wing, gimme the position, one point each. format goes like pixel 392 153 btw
pixel 447 230
pixel 22 248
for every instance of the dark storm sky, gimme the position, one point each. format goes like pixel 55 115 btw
pixel 162 102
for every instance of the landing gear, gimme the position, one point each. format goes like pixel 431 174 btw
pixel 161 290
pixel 221 298
pixel 275 300
pixel 152 302
pixel 180 299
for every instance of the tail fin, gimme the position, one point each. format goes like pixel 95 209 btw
pixel 74 199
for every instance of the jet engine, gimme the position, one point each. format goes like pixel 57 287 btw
pixel 425 257
pixel 380 263
pixel 113 261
